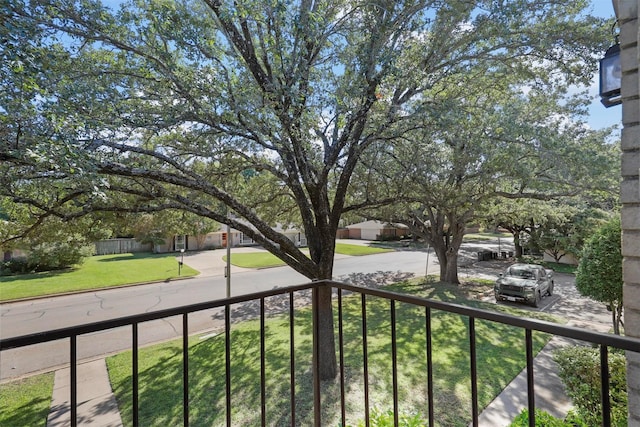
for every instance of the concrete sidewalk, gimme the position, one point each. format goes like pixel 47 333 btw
pixel 210 263
pixel 549 390
pixel 96 403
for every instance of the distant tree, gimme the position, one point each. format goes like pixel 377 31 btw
pixel 53 245
pixel 599 274
pixel 199 227
pixel 151 229
pixel 490 147
pixel 520 217
pixel 156 228
pixel 567 231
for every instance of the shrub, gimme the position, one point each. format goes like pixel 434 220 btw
pixel 580 372
pixel 56 256
pixel 387 238
pixel 543 419
pixel 15 266
pixel 599 274
pixel 385 419
pixel 47 257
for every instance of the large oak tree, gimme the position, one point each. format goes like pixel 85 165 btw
pixel 194 105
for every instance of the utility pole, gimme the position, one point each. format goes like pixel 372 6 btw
pixel 228 272
pixel 426 273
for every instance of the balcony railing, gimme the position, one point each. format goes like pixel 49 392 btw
pixel 603 341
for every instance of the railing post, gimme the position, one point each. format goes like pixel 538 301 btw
pixel 185 369
pixel 316 358
pixel 604 385
pixel 429 366
pixel 394 362
pixel 292 357
pixel 343 410
pixel 227 346
pixel 474 371
pixel 531 395
pixel 134 373
pixel 263 376
pixel 365 359
pixel 73 380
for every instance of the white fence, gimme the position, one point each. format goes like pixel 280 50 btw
pixel 121 246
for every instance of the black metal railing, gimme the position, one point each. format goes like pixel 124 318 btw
pixel 604 341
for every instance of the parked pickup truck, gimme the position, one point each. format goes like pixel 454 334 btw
pixel 525 283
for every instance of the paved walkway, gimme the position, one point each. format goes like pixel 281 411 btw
pixel 96 403
pixel 549 389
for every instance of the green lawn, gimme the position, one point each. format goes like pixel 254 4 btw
pixel 26 402
pixel 500 355
pixel 486 236
pixel 260 259
pixel 357 250
pixel 95 273
pixel 116 270
pixel 265 259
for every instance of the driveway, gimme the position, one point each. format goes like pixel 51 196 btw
pixel 567 303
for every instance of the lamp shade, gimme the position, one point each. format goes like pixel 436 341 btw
pixel 611 77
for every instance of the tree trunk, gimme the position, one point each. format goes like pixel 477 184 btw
pixel 517 245
pixel 440 252
pixel 451 268
pixel 448 260
pixel 616 313
pixel 323 252
pixel 323 313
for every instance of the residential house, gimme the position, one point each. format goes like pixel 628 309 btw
pixel 377 230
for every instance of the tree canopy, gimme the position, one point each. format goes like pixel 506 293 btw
pixel 259 108
pixel 168 104
pixel 493 157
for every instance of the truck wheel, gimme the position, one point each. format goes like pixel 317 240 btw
pixel 536 301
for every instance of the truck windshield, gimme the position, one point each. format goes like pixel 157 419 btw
pixel 523 273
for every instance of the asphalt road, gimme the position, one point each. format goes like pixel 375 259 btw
pixel 56 312
pixel 27 317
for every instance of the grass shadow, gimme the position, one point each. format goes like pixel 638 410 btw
pixel 131 256
pixel 41 275
pixel 26 402
pixel 500 357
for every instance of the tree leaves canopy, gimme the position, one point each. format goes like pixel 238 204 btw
pixel 263 106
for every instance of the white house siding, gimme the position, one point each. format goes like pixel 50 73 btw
pixel 369 233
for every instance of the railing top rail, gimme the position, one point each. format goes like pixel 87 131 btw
pixel 56 334
pixel 625 343
pixel 622 342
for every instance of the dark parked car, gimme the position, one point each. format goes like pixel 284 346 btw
pixel 524 282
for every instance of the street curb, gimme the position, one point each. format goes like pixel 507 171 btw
pixel 86 291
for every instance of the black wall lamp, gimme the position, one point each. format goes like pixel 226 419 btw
pixel 611 75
